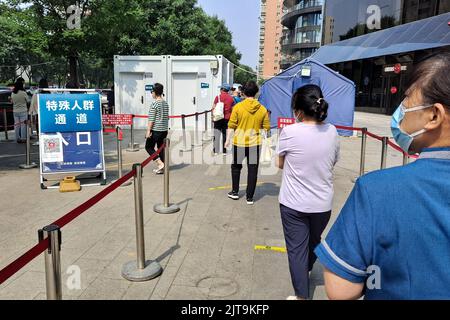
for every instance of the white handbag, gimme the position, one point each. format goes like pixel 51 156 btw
pixel 266 151
pixel 218 113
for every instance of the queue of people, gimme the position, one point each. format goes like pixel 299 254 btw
pixel 391 239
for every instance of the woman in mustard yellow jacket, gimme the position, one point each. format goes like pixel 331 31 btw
pixel 248 119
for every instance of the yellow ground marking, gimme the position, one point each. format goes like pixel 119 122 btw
pixel 268 248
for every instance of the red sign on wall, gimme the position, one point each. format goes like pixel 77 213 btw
pixel 117 119
pixel 284 122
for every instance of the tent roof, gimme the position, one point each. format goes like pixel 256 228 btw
pixel 292 71
pixel 428 33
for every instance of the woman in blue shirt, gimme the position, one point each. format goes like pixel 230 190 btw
pixel 392 238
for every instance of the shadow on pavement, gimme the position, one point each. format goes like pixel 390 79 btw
pixel 176 246
pixel 267 189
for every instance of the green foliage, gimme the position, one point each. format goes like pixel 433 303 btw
pixel 243 76
pixel 36 31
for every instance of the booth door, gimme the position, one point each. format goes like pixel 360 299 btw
pixel 132 97
pixel 184 98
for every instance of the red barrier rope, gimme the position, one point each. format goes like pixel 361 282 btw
pixel 69 217
pixel 15 125
pixel 396 147
pixel 174 117
pixel 23 260
pixel 31 254
pixel 349 128
pixel 370 134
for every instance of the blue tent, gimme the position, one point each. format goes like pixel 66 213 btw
pixel 276 93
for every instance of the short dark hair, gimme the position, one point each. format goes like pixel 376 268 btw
pixel 432 77
pixel 309 99
pixel 158 89
pixel 43 84
pixel 18 86
pixel 251 89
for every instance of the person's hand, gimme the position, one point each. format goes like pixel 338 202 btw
pixel 148 134
pixel 227 144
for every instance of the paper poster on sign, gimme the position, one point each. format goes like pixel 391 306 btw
pixel 52 148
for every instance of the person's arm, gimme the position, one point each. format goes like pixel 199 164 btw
pixel 338 149
pixel 232 125
pixel 280 162
pixel 338 288
pixel 151 121
pixel 282 149
pixel 214 104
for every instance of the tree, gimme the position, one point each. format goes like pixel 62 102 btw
pixel 26 45
pixel 122 27
pixel 243 74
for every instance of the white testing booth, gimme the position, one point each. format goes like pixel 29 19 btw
pixel 190 83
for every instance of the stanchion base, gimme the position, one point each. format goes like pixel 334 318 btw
pixel 161 209
pixel 28 166
pixel 134 148
pixel 185 150
pixel 131 272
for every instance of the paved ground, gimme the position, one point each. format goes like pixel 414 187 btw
pixel 207 250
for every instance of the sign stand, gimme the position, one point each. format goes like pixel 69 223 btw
pixel 71 136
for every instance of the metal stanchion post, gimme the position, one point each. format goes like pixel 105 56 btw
pixel 405 159
pixel 140 270
pixel 119 156
pixel 205 132
pixel 133 147
pixel 29 164
pixel 362 167
pixel 183 125
pixel 52 261
pixel 196 138
pixel 384 150
pixel 166 207
pixel 5 123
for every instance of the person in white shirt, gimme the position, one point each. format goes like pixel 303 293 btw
pixel 20 100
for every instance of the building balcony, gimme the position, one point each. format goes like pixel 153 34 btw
pixel 291 44
pixel 291 15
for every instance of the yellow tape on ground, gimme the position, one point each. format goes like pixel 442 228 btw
pixel 268 248
pixel 229 187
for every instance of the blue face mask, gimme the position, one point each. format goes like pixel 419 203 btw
pixel 403 139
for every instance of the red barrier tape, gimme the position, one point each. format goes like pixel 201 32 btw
pixel 349 128
pixel 396 147
pixel 31 254
pixel 370 134
pixel 21 262
pixel 15 125
pixel 95 199
pixel 175 117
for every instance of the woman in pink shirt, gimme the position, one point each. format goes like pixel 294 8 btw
pixel 308 152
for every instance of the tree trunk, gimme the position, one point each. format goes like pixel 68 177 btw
pixel 73 70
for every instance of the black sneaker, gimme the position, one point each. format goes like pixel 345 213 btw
pixel 233 195
pixel 250 201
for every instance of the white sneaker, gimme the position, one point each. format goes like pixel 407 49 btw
pixel 294 298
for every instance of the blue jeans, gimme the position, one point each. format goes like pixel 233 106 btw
pixel 21 131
